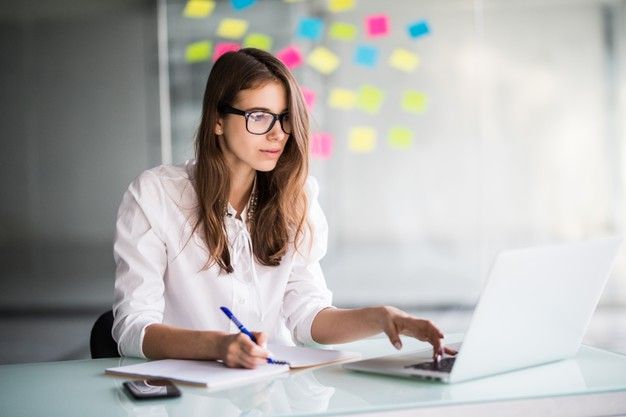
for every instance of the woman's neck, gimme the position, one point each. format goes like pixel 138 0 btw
pixel 240 188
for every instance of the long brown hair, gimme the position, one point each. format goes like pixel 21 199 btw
pixel 281 206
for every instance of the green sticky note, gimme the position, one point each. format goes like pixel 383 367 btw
pixel 370 98
pixel 362 139
pixel 400 137
pixel 414 102
pixel 342 31
pixel 259 41
pixel 198 51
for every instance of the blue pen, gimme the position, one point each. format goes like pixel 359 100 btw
pixel 247 332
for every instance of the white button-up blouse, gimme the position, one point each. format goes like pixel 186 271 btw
pixel 160 274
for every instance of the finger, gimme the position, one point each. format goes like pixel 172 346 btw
pixel 261 339
pixel 450 351
pixel 248 361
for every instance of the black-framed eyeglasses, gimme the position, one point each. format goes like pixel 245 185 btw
pixel 259 122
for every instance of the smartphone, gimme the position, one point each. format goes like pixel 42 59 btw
pixel 152 388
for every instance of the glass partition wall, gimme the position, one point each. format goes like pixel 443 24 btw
pixel 443 131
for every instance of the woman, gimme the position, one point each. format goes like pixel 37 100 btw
pixel 239 227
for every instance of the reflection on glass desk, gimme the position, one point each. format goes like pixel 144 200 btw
pixel 80 388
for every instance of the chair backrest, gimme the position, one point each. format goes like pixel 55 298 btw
pixel 101 342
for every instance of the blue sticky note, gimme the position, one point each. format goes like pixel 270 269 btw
pixel 311 28
pixel 366 55
pixel 241 4
pixel 418 29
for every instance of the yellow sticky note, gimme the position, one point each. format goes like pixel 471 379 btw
pixel 404 60
pixel 198 8
pixel 337 6
pixel 232 28
pixel 400 137
pixel 340 98
pixel 323 60
pixel 414 101
pixel 342 31
pixel 362 139
pixel 198 51
pixel 370 98
pixel 259 41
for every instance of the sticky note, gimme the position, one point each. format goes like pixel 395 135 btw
pixel 377 25
pixel 198 51
pixel 310 28
pixel 400 137
pixel 323 60
pixel 241 4
pixel 404 60
pixel 259 41
pixel 370 98
pixel 196 9
pixel 232 28
pixel 223 47
pixel 337 6
pixel 321 145
pixel 291 56
pixel 366 55
pixel 362 139
pixel 414 101
pixel 342 31
pixel 419 29
pixel 341 98
pixel 309 97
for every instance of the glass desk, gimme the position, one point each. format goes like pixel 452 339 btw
pixel 593 383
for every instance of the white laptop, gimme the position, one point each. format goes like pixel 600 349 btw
pixel 534 309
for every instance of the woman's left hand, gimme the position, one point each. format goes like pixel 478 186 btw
pixel 395 322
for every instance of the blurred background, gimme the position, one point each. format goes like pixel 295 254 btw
pixel 443 132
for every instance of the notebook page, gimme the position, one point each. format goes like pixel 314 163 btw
pixel 209 373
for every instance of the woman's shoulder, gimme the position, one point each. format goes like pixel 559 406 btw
pixel 172 180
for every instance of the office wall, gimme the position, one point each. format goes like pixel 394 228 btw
pixel 520 143
pixel 79 109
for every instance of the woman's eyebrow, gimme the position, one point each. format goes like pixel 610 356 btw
pixel 265 109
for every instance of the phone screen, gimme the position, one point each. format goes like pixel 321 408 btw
pixel 152 388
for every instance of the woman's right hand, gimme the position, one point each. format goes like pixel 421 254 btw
pixel 238 351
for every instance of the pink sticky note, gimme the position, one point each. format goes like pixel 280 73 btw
pixel 321 145
pixel 377 25
pixel 290 56
pixel 223 47
pixel 309 97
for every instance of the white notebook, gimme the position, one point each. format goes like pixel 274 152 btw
pixel 215 375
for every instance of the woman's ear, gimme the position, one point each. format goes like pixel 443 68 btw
pixel 219 127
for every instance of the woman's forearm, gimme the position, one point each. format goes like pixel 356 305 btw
pixel 335 325
pixel 162 341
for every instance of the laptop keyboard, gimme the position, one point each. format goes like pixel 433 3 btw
pixel 445 365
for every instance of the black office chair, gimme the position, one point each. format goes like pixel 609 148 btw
pixel 101 343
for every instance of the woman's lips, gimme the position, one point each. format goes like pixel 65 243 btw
pixel 271 152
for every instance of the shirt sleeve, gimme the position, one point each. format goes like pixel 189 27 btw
pixel 306 293
pixel 141 259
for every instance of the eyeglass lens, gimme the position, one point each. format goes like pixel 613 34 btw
pixel 260 122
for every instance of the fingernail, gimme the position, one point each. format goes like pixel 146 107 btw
pixel 398 345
